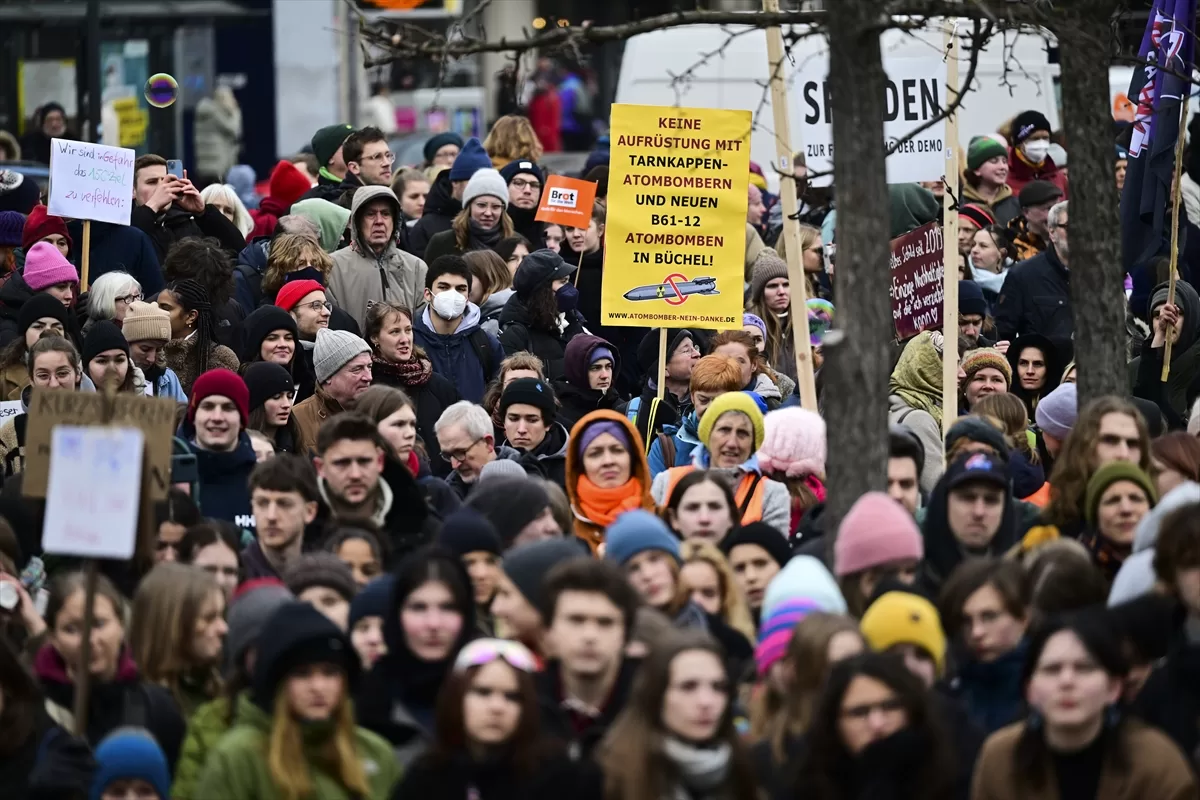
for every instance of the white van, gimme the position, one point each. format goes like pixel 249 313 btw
pixel 699 65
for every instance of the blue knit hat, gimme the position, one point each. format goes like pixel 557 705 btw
pixel 130 754
pixel 373 600
pixel 438 141
pixel 470 159
pixel 12 223
pixel 636 532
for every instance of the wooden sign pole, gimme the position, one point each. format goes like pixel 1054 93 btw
pixel 86 257
pixel 1176 194
pixel 950 240
pixel 791 225
pixel 662 367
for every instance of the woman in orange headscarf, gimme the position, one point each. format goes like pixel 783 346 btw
pixel 607 473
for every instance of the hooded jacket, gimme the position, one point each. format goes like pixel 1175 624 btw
pixel 440 210
pixel 224 488
pixel 549 459
pixel 359 276
pixel 237 769
pixel 398 697
pixel 124 701
pixel 518 333
pixel 912 206
pixel 587 530
pixel 1145 371
pixel 455 356
pixel 942 550
pixel 1005 206
pixel 574 393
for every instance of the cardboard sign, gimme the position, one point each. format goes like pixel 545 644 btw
pixel 94 492
pixel 675 233
pixel 50 407
pixel 917 288
pixel 567 202
pixel 91 181
pixel 914 93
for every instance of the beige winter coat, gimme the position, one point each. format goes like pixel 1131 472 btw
pixel 358 276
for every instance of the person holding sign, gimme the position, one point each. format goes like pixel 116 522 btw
pixel 53 364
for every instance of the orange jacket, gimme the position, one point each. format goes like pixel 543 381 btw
pixel 752 501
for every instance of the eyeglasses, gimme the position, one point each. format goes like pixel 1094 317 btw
pixel 130 299
pixel 518 183
pixel 386 157
pixel 317 305
pixel 450 456
pixel 485 651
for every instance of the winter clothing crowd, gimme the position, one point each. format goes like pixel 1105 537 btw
pixel 450 536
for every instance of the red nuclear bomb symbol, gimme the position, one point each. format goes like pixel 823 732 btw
pixel 678 299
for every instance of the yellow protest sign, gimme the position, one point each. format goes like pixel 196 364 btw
pixel 675 238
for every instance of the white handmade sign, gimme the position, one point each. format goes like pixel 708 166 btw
pixel 10 409
pixel 91 181
pixel 914 93
pixel 94 488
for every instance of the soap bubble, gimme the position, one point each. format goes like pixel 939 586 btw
pixel 161 90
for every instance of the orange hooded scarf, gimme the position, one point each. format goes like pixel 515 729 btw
pixel 596 508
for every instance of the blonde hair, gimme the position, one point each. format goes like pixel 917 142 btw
pixel 289 767
pixel 734 610
pixel 512 137
pixel 223 192
pixel 166 607
pixel 489 271
pixel 290 252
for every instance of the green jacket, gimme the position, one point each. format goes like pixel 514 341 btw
pixel 237 768
pixel 204 732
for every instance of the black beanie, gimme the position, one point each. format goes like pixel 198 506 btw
pixel 526 566
pixel 260 323
pixel 763 535
pixel 295 636
pixel 510 504
pixel 38 306
pixel 468 531
pixel 530 392
pixel 1025 123
pixel 647 350
pixel 265 379
pixel 102 335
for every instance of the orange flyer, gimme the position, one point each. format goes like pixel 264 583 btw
pixel 567 202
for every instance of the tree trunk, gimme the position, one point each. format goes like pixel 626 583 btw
pixel 1094 229
pixel 858 359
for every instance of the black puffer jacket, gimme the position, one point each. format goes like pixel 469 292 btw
pixel 440 210
pixel 555 776
pixel 1036 298
pixel 13 295
pixel 169 227
pixel 517 333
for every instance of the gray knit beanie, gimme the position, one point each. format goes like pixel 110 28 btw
pixel 320 569
pixel 526 566
pixel 485 183
pixel 334 350
pixel 247 615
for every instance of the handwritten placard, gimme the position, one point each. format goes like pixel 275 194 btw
pixel 917 288
pixel 91 181
pixel 94 491
pixel 49 408
pixel 10 409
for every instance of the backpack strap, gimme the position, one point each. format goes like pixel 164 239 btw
pixel 483 351
pixel 667 444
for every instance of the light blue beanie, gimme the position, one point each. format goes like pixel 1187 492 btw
pixel 636 532
pixel 804 577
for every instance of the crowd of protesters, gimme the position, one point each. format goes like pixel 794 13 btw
pixel 452 537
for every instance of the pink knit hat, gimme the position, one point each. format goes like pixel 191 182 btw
pixel 876 531
pixel 793 443
pixel 45 266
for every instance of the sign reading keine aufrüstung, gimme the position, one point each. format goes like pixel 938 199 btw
pixel 914 94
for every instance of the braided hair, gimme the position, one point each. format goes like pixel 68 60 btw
pixel 193 297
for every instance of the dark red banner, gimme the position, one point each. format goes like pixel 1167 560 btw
pixel 917 286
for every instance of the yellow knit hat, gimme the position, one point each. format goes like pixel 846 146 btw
pixel 741 402
pixel 904 618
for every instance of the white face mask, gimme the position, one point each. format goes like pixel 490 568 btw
pixel 449 304
pixel 1036 150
